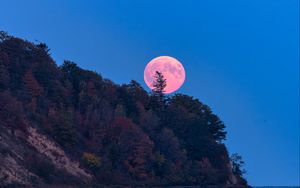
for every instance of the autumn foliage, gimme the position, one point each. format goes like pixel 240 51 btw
pixel 121 134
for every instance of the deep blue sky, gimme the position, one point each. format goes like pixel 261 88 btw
pixel 241 58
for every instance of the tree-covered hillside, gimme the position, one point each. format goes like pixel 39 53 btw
pixel 66 125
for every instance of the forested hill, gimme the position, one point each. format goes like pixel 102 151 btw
pixel 66 125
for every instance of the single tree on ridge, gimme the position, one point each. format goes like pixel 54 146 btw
pixel 159 84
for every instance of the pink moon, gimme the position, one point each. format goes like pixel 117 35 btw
pixel 171 69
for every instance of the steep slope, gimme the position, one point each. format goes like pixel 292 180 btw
pixel 66 125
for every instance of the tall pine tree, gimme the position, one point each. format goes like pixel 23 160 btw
pixel 159 85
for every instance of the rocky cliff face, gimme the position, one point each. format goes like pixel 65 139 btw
pixel 66 125
pixel 17 164
pixel 56 154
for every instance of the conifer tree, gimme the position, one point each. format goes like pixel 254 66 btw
pixel 159 85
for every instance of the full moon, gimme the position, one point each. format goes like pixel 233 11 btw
pixel 171 69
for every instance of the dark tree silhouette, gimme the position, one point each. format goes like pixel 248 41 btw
pixel 157 99
pixel 237 164
pixel 159 83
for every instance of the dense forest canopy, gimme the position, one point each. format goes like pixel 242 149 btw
pixel 120 134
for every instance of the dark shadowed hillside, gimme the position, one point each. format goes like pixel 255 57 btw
pixel 66 125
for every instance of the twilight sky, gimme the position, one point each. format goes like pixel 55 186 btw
pixel 241 58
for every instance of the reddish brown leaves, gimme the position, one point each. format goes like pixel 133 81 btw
pixel 32 84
